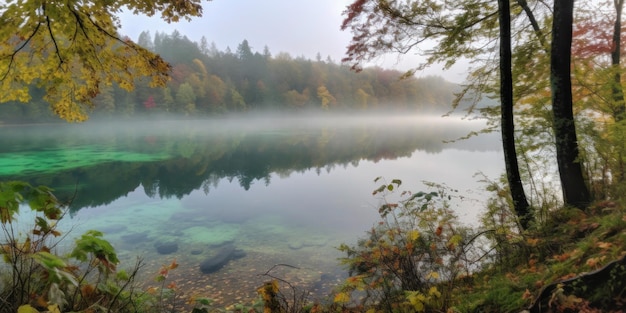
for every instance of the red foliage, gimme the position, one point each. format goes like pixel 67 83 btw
pixel 149 103
pixel 353 11
pixel 180 72
pixel 592 38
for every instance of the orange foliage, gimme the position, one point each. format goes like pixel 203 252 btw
pixel 562 257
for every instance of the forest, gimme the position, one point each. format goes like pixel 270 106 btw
pixel 207 82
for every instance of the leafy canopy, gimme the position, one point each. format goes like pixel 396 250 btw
pixel 71 48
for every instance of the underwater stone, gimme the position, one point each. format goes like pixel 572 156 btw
pixel 135 237
pixel 224 255
pixel 316 241
pixel 166 247
pixel 295 245
pixel 113 229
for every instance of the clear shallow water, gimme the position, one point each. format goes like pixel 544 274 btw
pixel 282 190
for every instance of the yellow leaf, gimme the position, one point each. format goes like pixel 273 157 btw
pixel 413 235
pixel 433 275
pixel 26 309
pixel 54 308
pixel 342 297
pixel 417 300
pixel 433 292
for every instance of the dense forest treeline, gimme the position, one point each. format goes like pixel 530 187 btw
pixel 207 81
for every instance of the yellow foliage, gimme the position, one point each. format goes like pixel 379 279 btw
pixel 413 235
pixel 26 309
pixel 433 275
pixel 342 297
pixel 54 308
pixel 454 241
pixel 325 96
pixel 434 292
pixel 77 50
pixel 417 300
pixel 269 290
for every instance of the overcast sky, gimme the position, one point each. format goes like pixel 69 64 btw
pixel 299 27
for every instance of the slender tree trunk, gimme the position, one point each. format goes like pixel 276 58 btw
pixel 520 203
pixel 617 90
pixel 534 23
pixel 619 107
pixel 575 191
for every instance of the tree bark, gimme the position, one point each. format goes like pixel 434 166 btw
pixel 575 190
pixel 619 107
pixel 520 203
pixel 617 90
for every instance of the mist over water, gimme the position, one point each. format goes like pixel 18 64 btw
pixel 283 189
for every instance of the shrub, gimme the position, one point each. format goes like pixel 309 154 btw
pixel 412 258
pixel 37 277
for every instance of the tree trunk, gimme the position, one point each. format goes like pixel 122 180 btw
pixel 518 195
pixel 575 191
pixel 617 90
pixel 619 107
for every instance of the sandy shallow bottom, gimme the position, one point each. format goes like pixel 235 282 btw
pixel 309 256
pixel 309 269
pixel 238 281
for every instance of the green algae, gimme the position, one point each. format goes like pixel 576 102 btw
pixel 66 158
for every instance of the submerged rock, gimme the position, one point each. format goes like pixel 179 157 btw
pixel 166 247
pixel 314 241
pixel 113 229
pixel 135 237
pixel 222 256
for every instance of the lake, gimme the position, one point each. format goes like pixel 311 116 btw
pixel 275 189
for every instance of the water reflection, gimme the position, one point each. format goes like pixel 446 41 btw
pixel 275 190
pixel 98 163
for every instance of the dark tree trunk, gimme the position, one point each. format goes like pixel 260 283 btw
pixel 520 203
pixel 617 90
pixel 533 22
pixel 575 191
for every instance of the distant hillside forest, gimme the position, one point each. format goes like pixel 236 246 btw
pixel 207 81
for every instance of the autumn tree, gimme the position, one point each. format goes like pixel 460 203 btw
pixel 465 29
pixel 394 26
pixel 597 50
pixel 325 97
pixel 72 49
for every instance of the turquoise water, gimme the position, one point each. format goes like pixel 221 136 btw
pixel 280 190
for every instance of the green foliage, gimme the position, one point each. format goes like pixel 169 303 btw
pixel 91 246
pixel 36 276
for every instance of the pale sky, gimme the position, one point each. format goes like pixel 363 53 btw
pixel 299 27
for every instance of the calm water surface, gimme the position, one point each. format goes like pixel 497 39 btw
pixel 282 189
